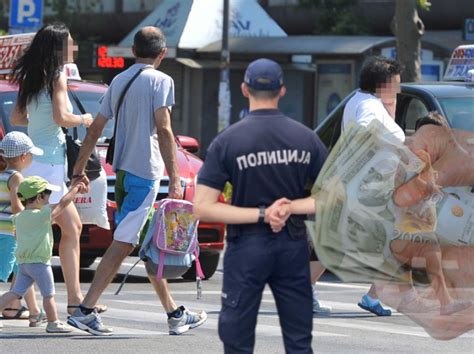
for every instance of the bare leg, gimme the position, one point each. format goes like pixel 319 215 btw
pixel 50 308
pixel 373 292
pixel 7 298
pixel 163 291
pixel 15 304
pixel 428 256
pixel 69 252
pixel 106 271
pixel 317 269
pixel 30 299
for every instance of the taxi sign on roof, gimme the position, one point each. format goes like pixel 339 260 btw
pixel 11 48
pixel 461 62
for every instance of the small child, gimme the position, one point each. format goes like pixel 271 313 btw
pixel 35 244
pixel 16 149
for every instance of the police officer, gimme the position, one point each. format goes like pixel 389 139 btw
pixel 266 156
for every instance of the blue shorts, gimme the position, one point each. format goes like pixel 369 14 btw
pixel 29 273
pixel 7 257
pixel 135 197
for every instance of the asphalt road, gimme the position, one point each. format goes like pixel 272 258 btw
pixel 140 323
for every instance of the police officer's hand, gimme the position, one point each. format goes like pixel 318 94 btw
pixel 277 214
pixel 452 155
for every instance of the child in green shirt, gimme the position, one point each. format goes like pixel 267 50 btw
pixel 35 244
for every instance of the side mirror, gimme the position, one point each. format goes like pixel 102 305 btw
pixel 188 143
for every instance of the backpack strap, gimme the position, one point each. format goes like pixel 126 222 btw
pixel 125 277
pixel 199 272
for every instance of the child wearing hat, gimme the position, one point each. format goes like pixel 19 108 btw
pixel 16 149
pixel 35 244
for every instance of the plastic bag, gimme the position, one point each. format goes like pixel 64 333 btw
pixel 92 206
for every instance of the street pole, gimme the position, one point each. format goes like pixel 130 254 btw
pixel 224 84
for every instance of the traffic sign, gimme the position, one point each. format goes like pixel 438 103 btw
pixel 469 29
pixel 25 15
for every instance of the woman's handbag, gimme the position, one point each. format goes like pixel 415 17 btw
pixel 93 166
pixel 109 158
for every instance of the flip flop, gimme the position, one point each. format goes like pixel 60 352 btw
pixel 99 308
pixel 18 314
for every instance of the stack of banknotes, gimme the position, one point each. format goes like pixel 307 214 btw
pixel 356 218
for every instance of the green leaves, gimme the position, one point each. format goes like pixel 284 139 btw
pixel 424 4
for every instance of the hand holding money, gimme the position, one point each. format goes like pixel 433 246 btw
pixel 452 156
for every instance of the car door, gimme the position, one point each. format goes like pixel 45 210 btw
pixel 410 107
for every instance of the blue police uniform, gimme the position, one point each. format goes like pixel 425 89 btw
pixel 265 156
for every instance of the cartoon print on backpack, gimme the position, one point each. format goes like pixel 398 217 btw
pixel 181 223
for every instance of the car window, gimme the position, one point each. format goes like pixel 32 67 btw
pixel 7 103
pixel 91 103
pixel 331 129
pixel 415 109
pixel 459 112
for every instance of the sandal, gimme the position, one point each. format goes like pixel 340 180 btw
pixel 99 308
pixel 19 315
pixel 38 320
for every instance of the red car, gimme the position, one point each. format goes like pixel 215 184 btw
pixel 95 240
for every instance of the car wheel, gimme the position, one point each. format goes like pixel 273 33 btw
pixel 86 262
pixel 209 262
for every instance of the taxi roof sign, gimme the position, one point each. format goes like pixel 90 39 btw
pixel 71 71
pixel 13 46
pixel 460 64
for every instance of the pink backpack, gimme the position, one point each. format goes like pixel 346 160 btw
pixel 170 245
pixel 175 232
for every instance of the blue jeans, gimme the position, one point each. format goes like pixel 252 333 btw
pixel 251 262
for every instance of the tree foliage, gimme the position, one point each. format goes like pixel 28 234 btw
pixel 336 17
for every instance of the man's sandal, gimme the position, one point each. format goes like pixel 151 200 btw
pixel 99 308
pixel 20 314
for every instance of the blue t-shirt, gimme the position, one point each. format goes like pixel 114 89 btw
pixel 265 156
pixel 136 142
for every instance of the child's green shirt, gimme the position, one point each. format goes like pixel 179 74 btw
pixel 34 235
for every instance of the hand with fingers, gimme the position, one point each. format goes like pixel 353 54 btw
pixel 277 214
pixel 452 155
pixel 175 190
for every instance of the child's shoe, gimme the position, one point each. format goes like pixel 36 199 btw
pixel 57 327
pixel 38 320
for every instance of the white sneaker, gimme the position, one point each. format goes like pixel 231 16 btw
pixel 188 320
pixel 317 307
pixel 91 323
pixel 57 327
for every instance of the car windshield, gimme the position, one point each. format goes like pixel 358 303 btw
pixel 459 112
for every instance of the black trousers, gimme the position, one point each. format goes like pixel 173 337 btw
pixel 251 262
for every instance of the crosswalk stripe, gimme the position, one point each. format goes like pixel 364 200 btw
pixel 158 316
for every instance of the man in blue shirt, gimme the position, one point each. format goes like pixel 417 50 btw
pixel 266 156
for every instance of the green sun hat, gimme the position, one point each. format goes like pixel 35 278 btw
pixel 34 185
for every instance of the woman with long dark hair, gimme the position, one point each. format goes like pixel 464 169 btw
pixel 43 105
